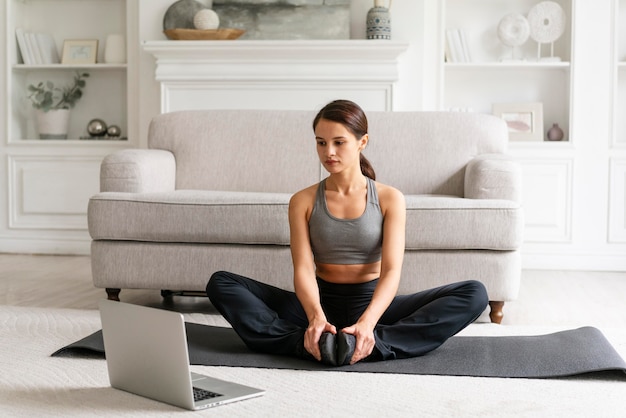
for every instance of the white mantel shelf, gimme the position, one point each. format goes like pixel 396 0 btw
pixel 291 60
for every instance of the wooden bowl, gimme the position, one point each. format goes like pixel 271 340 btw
pixel 203 35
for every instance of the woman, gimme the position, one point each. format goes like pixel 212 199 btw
pixel 347 246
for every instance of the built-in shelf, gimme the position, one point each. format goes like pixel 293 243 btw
pixel 508 65
pixel 24 67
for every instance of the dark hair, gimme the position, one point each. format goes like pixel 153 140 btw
pixel 350 115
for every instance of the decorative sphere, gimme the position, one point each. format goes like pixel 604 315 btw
pixel 206 19
pixel 114 131
pixel 97 127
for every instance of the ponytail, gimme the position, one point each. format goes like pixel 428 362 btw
pixel 366 167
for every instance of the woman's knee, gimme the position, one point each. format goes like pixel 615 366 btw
pixel 478 295
pixel 216 281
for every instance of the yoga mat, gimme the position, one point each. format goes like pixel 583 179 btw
pixel 566 353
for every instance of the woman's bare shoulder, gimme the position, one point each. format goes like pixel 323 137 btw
pixel 304 196
pixel 389 196
pixel 387 191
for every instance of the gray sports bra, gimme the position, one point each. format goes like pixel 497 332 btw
pixel 346 241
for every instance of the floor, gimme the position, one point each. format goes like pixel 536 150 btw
pixel 547 298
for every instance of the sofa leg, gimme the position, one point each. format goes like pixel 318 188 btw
pixel 113 294
pixel 496 313
pixel 166 294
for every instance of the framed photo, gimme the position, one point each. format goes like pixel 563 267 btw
pixel 80 51
pixel 525 120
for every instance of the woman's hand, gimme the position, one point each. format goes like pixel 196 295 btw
pixel 365 342
pixel 312 336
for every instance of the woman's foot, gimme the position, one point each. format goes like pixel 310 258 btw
pixel 337 350
pixel 328 348
pixel 346 343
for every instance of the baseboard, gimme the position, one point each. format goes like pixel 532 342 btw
pixel 52 246
pixel 573 261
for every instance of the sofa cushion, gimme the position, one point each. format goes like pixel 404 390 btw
pixel 452 223
pixel 193 216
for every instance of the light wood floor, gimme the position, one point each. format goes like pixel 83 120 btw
pixel 547 298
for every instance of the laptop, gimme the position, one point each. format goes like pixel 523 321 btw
pixel 146 354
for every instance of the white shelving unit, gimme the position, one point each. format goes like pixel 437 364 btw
pixel 492 77
pixel 46 183
pixel 105 95
pixel 574 190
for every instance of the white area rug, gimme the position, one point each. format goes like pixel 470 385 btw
pixel 34 384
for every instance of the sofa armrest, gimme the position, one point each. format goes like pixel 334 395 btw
pixel 493 176
pixel 138 171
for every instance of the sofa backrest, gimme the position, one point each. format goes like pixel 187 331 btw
pixel 426 152
pixel 239 150
pixel 274 151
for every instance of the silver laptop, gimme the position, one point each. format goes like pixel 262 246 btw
pixel 146 353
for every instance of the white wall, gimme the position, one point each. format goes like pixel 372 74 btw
pixel 409 20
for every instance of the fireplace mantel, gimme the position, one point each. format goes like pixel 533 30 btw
pixel 299 74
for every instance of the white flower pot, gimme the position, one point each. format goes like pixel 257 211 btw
pixel 53 124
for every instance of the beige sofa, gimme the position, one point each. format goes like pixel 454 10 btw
pixel 212 189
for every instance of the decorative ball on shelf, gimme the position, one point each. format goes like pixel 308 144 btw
pixel 114 131
pixel 97 127
pixel 206 19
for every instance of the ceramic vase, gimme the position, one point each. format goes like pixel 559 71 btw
pixel 53 124
pixel 555 133
pixel 115 49
pixel 378 22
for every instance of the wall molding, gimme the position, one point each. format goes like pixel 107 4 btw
pixel 269 74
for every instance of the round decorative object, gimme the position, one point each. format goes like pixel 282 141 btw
pixel 206 19
pixel 114 131
pixel 513 29
pixel 547 22
pixel 181 13
pixel 97 127
pixel 378 23
pixel 555 133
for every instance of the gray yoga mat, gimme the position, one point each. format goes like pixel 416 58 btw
pixel 567 353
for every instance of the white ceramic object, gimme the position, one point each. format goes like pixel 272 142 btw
pixel 513 29
pixel 547 22
pixel 206 19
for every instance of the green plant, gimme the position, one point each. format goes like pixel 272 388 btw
pixel 46 96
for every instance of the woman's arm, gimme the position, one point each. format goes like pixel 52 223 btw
pixel 305 281
pixel 394 214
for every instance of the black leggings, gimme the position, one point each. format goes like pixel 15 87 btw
pixel 272 320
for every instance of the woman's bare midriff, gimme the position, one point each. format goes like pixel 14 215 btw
pixel 348 273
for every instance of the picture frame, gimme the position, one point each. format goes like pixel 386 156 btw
pixel 524 120
pixel 79 51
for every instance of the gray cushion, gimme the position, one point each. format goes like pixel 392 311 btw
pixel 192 216
pixel 452 223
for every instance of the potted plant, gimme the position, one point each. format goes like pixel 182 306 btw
pixel 53 105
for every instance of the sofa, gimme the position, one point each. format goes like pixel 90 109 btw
pixel 211 193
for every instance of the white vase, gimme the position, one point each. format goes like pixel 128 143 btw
pixel 115 49
pixel 53 124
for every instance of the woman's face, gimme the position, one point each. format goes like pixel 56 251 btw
pixel 338 149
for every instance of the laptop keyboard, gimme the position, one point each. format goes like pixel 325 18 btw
pixel 201 394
